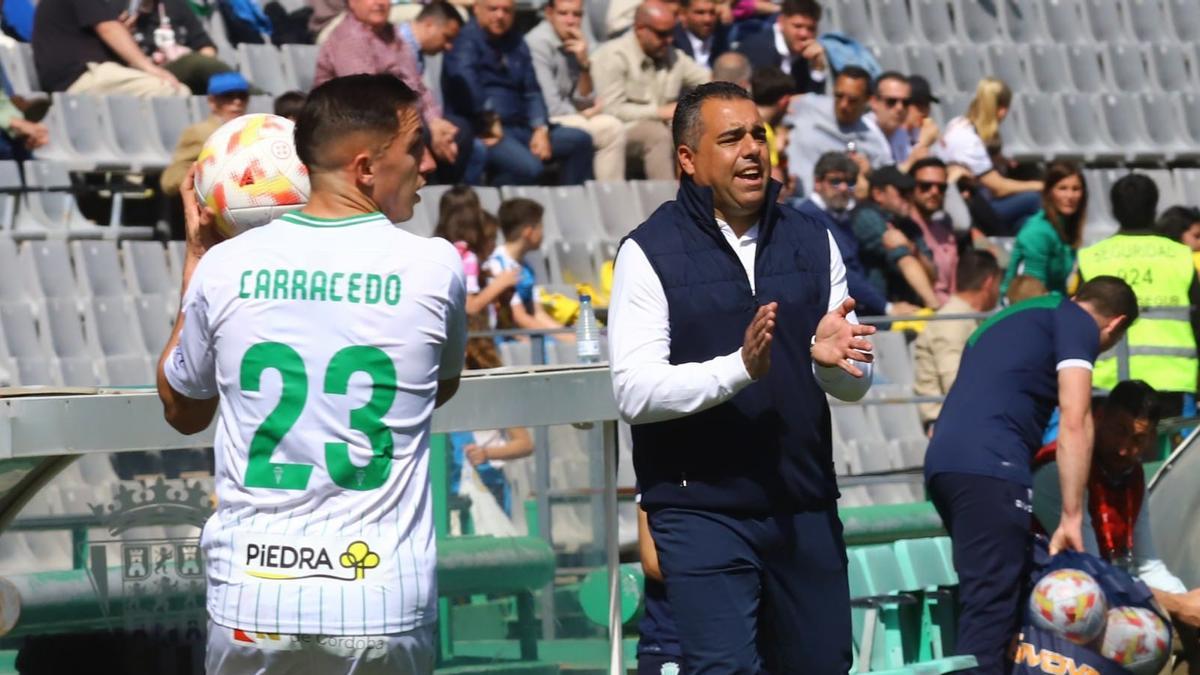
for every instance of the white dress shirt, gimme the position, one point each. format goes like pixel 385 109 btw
pixel 701 48
pixel 648 388
pixel 786 58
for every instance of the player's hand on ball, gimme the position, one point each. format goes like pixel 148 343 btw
pixel 756 349
pixel 200 222
pixel 839 342
pixel 1068 537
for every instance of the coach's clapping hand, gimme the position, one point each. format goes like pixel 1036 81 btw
pixel 838 342
pixel 756 349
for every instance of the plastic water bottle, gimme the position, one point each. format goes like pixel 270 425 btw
pixel 587 334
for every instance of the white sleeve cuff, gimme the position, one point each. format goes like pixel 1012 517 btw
pixel 1074 363
pixel 731 373
pixel 174 371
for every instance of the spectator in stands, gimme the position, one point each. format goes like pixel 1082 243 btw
pixel 366 42
pixel 830 204
pixel 1162 350
pixel 929 199
pixel 228 94
pixel 965 146
pixel 748 16
pixel 700 33
pixel 890 105
pixel 562 62
pixel 170 33
pixel 733 67
pixel 490 70
pixel 289 104
pixel 773 90
pixel 792 46
pixel 521 224
pixel 1116 514
pixel 432 32
pixel 978 464
pixel 837 124
pixel 1046 246
pixel 86 47
pixel 893 253
pixel 1182 224
pixel 18 135
pixel 461 222
pixel 938 349
pixel 919 121
pixel 639 77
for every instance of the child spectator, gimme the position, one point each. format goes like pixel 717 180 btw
pixel 460 221
pixel 289 104
pixel 521 223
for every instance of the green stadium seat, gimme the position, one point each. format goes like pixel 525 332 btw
pixel 923 567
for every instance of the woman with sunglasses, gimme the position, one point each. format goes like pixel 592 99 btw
pixel 1047 244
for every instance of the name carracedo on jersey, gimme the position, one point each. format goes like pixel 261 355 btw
pixel 277 558
pixel 356 288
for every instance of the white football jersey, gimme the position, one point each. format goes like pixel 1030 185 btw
pixel 325 340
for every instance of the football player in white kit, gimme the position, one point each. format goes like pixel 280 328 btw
pixel 323 341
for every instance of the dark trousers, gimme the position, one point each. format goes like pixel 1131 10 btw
pixel 511 163
pixel 988 520
pixel 757 595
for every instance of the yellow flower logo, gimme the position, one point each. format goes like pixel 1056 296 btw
pixel 359 556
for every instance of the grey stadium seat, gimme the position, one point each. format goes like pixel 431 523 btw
pixel 79 120
pixel 420 224
pixel 262 65
pixel 15 69
pixel 1189 184
pixel 1022 20
pixel 1126 68
pixel 654 193
pixel 1147 20
pixel 1125 126
pixel 51 205
pixel 146 268
pixel 1105 20
pixel 964 66
pixel 79 371
pixel 171 116
pixel 429 208
pixel 64 327
pixel 1006 62
pixel 619 208
pixel 115 326
pixel 299 65
pixel 1187 104
pixel 153 320
pixel 128 371
pixel 51 265
pixel 99 267
pixel 890 57
pixel 19 323
pixel 541 195
pixel 1048 68
pixel 260 103
pixel 15 284
pixel 1164 127
pixel 932 20
pixel 198 108
pixel 978 22
pixel 926 61
pixel 1017 141
pixel 892 22
pixel 1086 73
pixel 1184 17
pixel 1083 125
pixel 1064 22
pixel 1168 64
pixel 1043 124
pixel 129 127
pixel 11 187
pixel 893 362
pixel 854 20
pixel 574 263
pixel 577 216
pixel 489 198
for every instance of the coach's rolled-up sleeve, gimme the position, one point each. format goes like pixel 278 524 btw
pixel 649 388
pixel 835 381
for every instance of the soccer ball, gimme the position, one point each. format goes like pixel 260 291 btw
pixel 1070 603
pixel 1137 639
pixel 249 174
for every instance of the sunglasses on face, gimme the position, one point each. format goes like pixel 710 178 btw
pixel 892 101
pixel 837 182
pixel 927 185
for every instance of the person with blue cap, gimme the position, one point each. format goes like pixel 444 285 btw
pixel 228 94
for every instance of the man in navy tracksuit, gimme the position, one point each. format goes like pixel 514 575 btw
pixel 1016 367
pixel 729 323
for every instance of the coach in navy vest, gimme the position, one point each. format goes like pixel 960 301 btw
pixel 729 323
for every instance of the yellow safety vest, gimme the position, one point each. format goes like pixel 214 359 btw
pixel 1162 351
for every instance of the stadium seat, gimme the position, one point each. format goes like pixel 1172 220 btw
pixel 1186 104
pixel 15 69
pixel 1083 125
pixel 1184 18
pixel 171 116
pixel 922 567
pixel 654 193
pixel 1100 223
pixel 574 262
pixel 890 56
pixel 1168 64
pixel 978 22
pixel 260 103
pixel 1147 21
pixel 37 371
pixel 1022 21
pixel 51 205
pixel 1123 118
pixel 129 127
pixel 19 324
pixel 1006 61
pixel 99 266
pixel 955 104
pixel 577 215
pixel 931 18
pixel 198 108
pixel 77 122
pixel 1041 120
pixel 1049 70
pixel 1063 21
pixel 79 371
pixel 176 254
pixel 893 363
pixel 1017 141
pixel 618 205
pixel 1105 21
pixel 925 61
pixel 893 23
pixel 896 621
pixel 1168 195
pixel 542 195
pixel 489 198
pixel 1086 72
pixel 10 194
pixel 1164 128
pixel 51 265
pixel 146 268
pixel 153 320
pixel 855 21
pixel 127 371
pixel 14 279
pixel 115 327
pixel 1188 183
pixel 262 65
pixel 1125 66
pixel 964 66
pixel 299 65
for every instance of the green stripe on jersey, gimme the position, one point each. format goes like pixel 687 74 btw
pixel 1041 302
pixel 298 218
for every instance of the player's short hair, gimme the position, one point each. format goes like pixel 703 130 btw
pixel 442 11
pixel 518 213
pixel 1134 201
pixel 769 84
pixel 687 126
pixel 349 105
pixel 289 104
pixel 974 269
pixel 1110 296
pixel 1135 397
pixel 809 8
pixel 835 161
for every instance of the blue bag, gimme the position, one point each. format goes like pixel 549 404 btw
pixel 841 50
pixel 1039 651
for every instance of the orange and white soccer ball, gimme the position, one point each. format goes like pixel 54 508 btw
pixel 1136 638
pixel 249 174
pixel 1070 603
